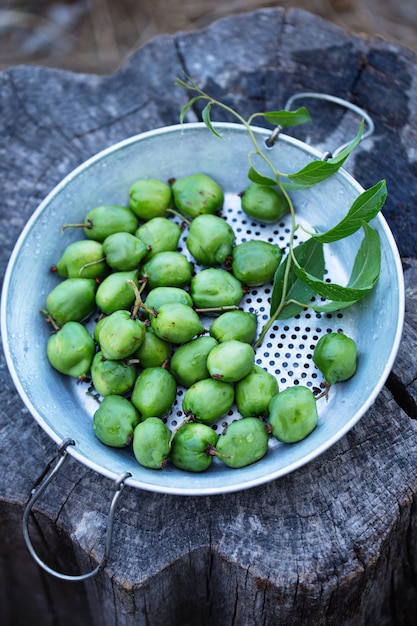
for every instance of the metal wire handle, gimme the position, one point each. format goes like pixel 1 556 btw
pixel 341 102
pixel 119 483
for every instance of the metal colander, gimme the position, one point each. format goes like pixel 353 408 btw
pixel 64 409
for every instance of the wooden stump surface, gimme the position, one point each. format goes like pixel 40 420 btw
pixel 334 542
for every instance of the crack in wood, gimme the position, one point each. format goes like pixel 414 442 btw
pixel 400 394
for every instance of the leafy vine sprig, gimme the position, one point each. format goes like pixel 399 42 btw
pixel 300 276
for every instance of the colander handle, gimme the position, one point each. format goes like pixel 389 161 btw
pixel 329 98
pixel 119 483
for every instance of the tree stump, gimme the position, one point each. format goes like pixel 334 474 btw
pixel 335 542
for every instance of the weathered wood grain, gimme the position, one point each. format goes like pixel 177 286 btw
pixel 333 543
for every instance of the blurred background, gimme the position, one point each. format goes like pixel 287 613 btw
pixel 95 36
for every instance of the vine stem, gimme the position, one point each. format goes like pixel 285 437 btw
pixel 277 176
pixel 179 215
pixel 283 300
pixel 218 309
pixel 138 300
pixel 87 265
pixel 365 207
pixel 246 123
pixel 50 319
pixel 87 224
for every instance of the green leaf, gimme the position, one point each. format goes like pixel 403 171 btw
pixel 287 118
pixel 181 83
pixel 343 155
pixel 365 207
pixel 310 256
pixel 259 179
pixel 205 115
pixel 188 106
pixel 317 171
pixel 367 265
pixel 365 273
pixel 311 174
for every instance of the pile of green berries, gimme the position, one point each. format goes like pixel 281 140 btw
pixel 150 303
